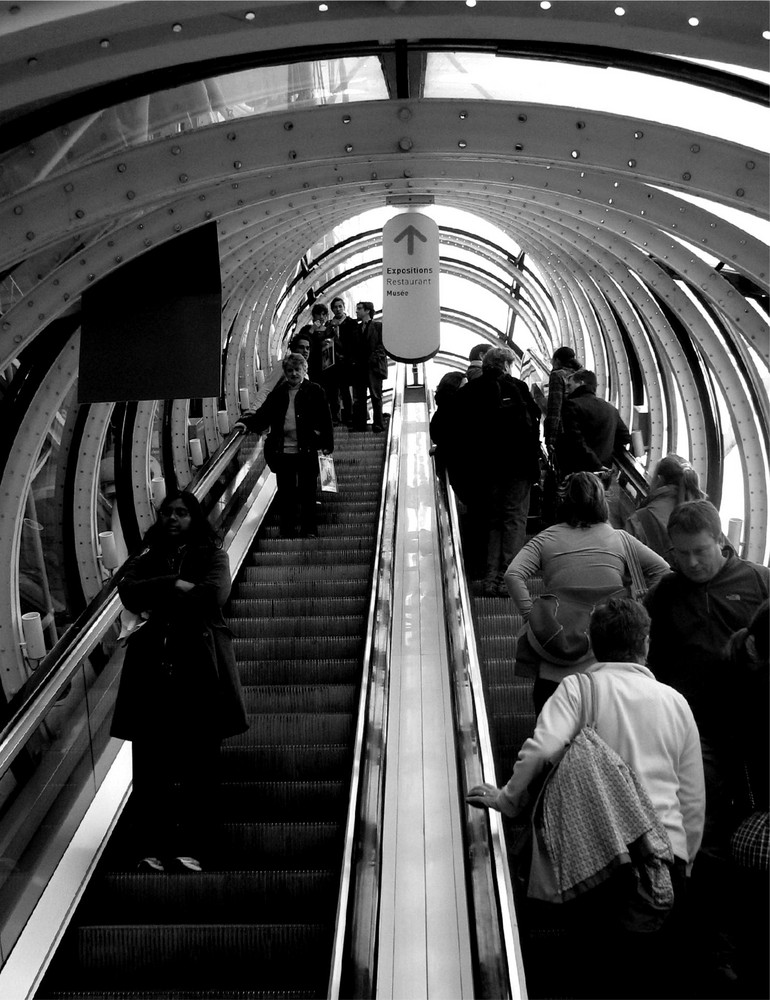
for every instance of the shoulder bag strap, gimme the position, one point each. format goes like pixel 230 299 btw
pixel 587 687
pixel 638 587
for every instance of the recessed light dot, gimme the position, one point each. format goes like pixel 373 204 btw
pixel 323 7
pixel 176 27
pixel 620 11
pixel 693 22
pixel 470 3
pixel 545 5
pixel 105 43
pixel 249 15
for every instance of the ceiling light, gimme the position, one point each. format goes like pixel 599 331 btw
pixel 693 22
pixel 470 3
pixel 249 15
pixel 620 11
pixel 323 7
pixel 545 5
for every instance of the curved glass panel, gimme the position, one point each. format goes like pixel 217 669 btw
pixel 487 77
pixel 195 105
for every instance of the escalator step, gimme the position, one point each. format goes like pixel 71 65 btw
pixel 213 897
pixel 280 844
pixel 341 671
pixel 166 994
pixel 509 699
pixel 335 560
pixel 155 956
pixel 296 626
pixel 360 526
pixel 286 763
pixel 301 587
pixel 296 607
pixel 294 647
pixel 295 729
pixel 283 800
pixel 301 698
pixel 323 546
pixel 280 575
pixel 498 646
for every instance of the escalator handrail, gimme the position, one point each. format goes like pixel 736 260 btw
pixel 484 831
pixel 65 658
pixel 354 950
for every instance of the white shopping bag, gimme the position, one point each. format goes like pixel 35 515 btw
pixel 328 473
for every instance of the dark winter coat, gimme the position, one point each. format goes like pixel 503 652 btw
pixel 314 422
pixel 369 354
pixel 347 333
pixel 498 431
pixel 179 674
pixel 592 431
pixel 691 626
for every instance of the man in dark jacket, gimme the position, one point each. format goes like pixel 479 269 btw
pixel 695 610
pixel 347 333
pixel 592 429
pixel 498 455
pixel 300 425
pixel 370 369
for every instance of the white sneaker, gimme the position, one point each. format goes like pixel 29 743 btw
pixel 187 864
pixel 150 865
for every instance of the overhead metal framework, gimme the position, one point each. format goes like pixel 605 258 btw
pixel 638 236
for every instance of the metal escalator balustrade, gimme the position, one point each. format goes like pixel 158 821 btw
pixel 55 748
pixel 264 920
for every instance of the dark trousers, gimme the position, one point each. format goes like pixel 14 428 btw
pixel 600 958
pixel 175 787
pixel 508 507
pixel 296 478
pixel 363 382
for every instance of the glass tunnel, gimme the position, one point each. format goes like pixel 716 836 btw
pixel 599 177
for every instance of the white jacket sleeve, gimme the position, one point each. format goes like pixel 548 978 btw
pixel 556 725
pixel 692 788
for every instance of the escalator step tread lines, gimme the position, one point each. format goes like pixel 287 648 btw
pixel 259 922
pixel 511 721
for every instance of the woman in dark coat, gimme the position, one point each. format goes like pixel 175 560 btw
pixel 300 425
pixel 179 693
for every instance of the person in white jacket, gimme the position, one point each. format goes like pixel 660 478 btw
pixel 649 724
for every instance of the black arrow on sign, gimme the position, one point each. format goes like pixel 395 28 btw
pixel 410 232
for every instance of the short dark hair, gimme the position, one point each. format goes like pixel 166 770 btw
pixel 498 357
pixel 694 516
pixel 478 352
pixel 585 377
pixel 337 298
pixel 448 385
pixel 565 356
pixel 582 500
pixel 319 309
pixel 300 336
pixel 367 306
pixel 618 629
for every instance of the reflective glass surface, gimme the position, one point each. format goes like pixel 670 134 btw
pixel 484 76
pixel 195 105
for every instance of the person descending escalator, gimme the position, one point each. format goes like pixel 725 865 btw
pixel 179 694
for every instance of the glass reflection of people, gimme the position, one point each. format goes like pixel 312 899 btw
pixel 179 693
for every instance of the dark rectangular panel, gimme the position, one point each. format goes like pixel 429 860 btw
pixel 152 329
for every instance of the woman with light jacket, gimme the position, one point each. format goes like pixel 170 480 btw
pixel 583 562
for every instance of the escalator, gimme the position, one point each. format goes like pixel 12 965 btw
pixel 261 921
